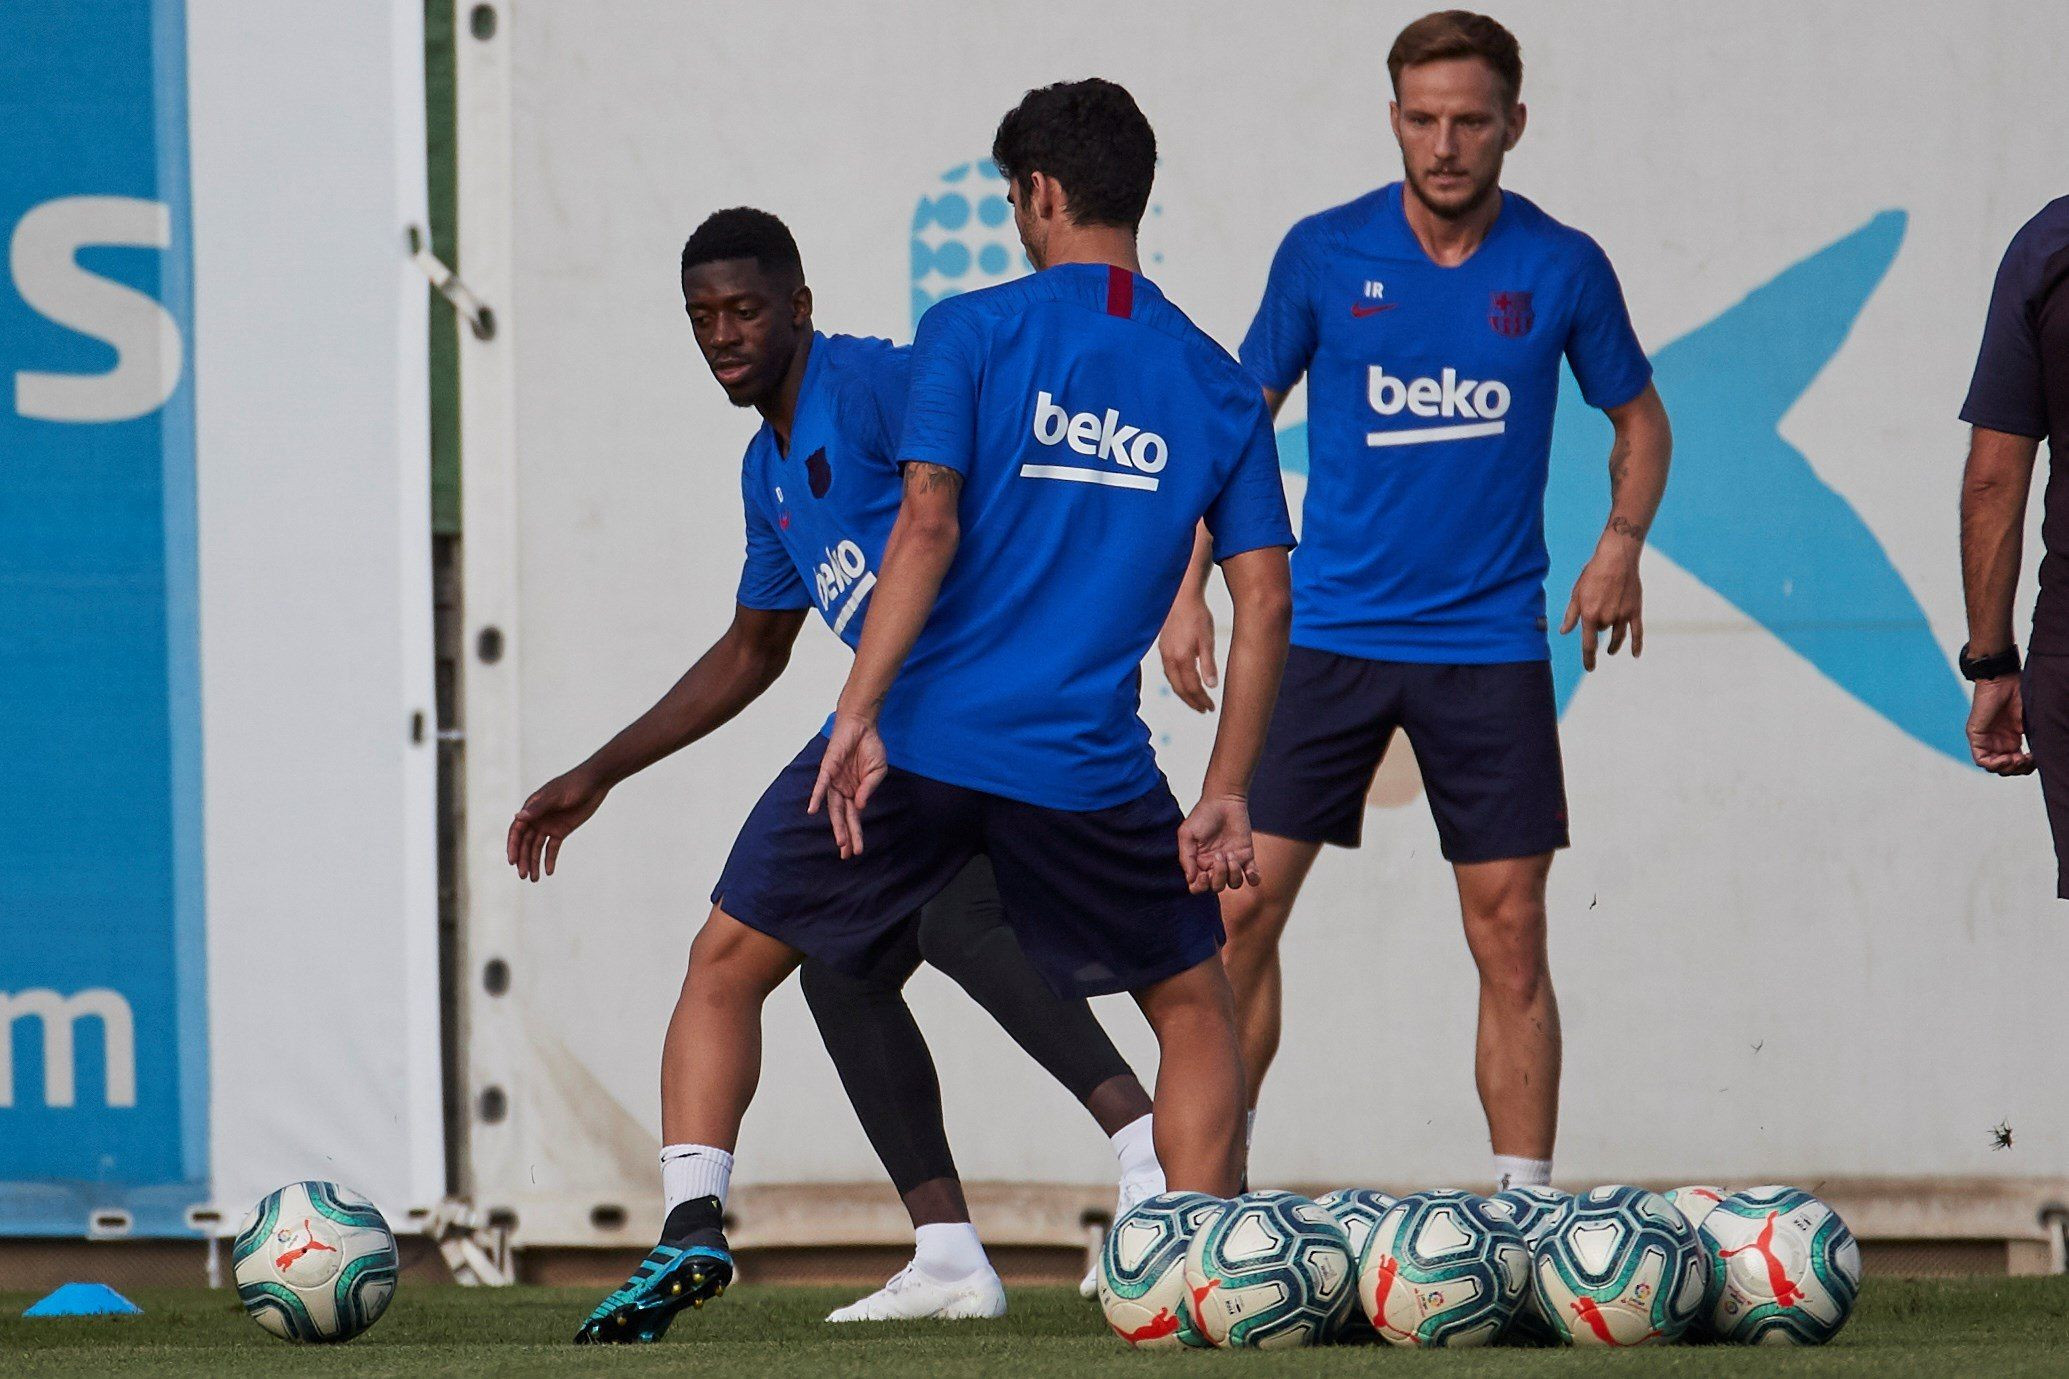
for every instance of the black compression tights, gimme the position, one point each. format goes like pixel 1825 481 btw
pixel 883 1061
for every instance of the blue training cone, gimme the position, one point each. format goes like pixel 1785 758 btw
pixel 84 1300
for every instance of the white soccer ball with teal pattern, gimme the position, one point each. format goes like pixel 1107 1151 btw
pixel 1442 1269
pixel 1357 1210
pixel 1618 1266
pixel 1272 1269
pixel 315 1262
pixel 1142 1270
pixel 1697 1201
pixel 1784 1269
pixel 1532 1209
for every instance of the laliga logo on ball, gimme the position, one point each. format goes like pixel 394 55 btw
pixel 1104 437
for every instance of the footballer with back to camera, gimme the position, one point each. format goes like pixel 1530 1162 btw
pixel 1429 318
pixel 1108 887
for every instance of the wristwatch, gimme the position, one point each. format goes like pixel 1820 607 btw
pixel 1997 663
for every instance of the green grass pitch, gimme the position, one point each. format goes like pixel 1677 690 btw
pixel 1998 1327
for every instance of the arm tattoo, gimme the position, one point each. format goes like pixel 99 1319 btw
pixel 927 478
pixel 1619 466
pixel 1624 526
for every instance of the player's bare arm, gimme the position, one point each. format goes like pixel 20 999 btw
pixel 1214 842
pixel 1994 486
pixel 746 659
pixel 1186 645
pixel 1608 596
pixel 922 544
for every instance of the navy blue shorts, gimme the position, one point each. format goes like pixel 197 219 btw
pixel 1098 899
pixel 1485 736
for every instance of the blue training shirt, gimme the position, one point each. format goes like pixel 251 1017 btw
pixel 1094 426
pixel 818 516
pixel 1430 398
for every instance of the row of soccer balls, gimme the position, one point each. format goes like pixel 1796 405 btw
pixel 1615 1266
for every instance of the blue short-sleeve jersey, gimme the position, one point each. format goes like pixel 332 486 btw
pixel 1095 426
pixel 1430 399
pixel 818 515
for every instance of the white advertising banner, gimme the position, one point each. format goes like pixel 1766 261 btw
pixel 1797 937
pixel 218 922
pixel 313 444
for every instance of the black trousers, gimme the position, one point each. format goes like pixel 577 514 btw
pixel 2045 695
pixel 882 1058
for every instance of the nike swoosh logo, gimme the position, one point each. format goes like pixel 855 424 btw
pixel 1371 308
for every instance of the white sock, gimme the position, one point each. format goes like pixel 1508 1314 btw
pixel 949 1250
pixel 1135 1145
pixel 1510 1171
pixel 693 1170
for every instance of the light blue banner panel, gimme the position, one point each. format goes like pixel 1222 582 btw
pixel 103 1052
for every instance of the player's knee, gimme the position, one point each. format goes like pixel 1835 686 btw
pixel 723 964
pixel 1509 947
pixel 1254 920
pixel 1194 1005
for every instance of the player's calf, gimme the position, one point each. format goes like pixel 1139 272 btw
pixel 1518 1054
pixel 1199 1115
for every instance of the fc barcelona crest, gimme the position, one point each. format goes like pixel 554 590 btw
pixel 1510 314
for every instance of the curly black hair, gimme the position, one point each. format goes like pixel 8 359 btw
pixel 1092 138
pixel 742 232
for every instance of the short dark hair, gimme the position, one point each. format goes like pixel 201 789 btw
pixel 1459 33
pixel 742 232
pixel 1092 138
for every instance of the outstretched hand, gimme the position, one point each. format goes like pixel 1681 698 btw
pixel 555 810
pixel 848 775
pixel 1215 848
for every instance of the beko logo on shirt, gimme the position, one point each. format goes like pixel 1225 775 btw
pixel 1141 453
pixel 1477 407
pixel 844 574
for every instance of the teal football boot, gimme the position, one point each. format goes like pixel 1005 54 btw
pixel 683 1273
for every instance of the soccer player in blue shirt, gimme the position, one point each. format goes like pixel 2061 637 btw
pixel 1066 433
pixel 820 487
pixel 1064 436
pixel 1430 318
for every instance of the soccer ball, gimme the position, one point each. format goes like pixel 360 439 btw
pixel 1272 1269
pixel 1442 1269
pixel 314 1262
pixel 1784 1269
pixel 1532 1209
pixel 1696 1202
pixel 1618 1266
pixel 1142 1270
pixel 1357 1210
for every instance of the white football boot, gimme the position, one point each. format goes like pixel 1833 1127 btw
pixel 915 1296
pixel 1132 1191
